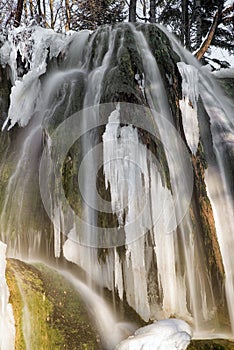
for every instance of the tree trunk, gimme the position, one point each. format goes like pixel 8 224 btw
pixel 143 4
pixel 18 13
pixel 39 8
pixel 31 8
pixel 199 23
pixel 152 11
pixel 68 16
pixel 132 10
pixel 206 43
pixel 25 9
pixel 44 10
pixel 185 30
pixel 52 14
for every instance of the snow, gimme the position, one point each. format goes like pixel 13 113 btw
pixel 224 73
pixel 7 324
pixel 229 3
pixel 24 97
pixel 220 54
pixel 188 104
pixel 35 45
pixel 170 334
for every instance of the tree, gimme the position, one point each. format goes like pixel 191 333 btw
pixel 152 11
pixel 89 14
pixel 220 37
pixel 197 23
pixel 194 20
pixel 18 13
pixel 132 10
pixel 68 15
pixel 52 13
pixel 185 27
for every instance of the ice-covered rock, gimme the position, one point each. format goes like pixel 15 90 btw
pixel 170 334
pixel 34 45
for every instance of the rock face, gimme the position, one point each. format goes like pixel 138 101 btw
pixel 169 187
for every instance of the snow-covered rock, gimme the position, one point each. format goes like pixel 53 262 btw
pixel 34 45
pixel 170 334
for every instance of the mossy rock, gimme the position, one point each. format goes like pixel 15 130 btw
pixel 214 344
pixel 48 310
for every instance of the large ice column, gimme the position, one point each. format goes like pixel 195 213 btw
pixel 188 104
pixel 7 323
pixel 142 203
pixel 125 170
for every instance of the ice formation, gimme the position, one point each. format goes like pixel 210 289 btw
pixel 188 104
pixel 125 169
pixel 7 323
pixel 170 334
pixel 34 45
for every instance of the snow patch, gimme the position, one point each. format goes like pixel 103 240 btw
pixel 224 73
pixel 168 334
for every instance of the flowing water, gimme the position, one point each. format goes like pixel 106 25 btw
pixel 163 269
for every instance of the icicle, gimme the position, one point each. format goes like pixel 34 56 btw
pixel 188 104
pixel 125 163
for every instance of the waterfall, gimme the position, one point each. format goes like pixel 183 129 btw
pixel 131 143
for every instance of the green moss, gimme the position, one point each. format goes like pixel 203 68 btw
pixel 69 315
pixel 119 82
pixel 48 306
pixel 32 309
pixel 16 301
